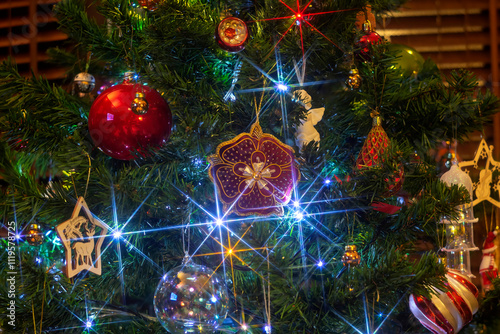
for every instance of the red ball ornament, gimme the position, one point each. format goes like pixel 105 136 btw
pixel 150 5
pixel 123 134
pixel 231 34
pixel 366 41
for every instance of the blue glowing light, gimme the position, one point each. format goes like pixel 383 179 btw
pixel 117 234
pixel 328 181
pixel 320 263
pixel 267 329
pixel 197 162
pixel 282 87
pixel 38 260
pixel 89 324
pixel 213 299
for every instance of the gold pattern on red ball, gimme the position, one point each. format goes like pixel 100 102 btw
pixel 374 147
pixel 232 34
pixel 255 174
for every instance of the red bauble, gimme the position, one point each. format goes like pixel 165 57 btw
pixel 122 134
pixel 366 41
pixel 231 34
pixel 151 5
pixel 374 146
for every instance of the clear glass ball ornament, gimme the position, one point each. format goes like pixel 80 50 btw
pixel 191 298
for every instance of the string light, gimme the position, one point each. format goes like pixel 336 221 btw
pixel 298 215
pixel 281 87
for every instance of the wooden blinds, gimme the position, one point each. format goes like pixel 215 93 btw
pixel 27 29
pixel 453 33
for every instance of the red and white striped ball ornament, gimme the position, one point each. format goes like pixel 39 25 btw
pixel 447 312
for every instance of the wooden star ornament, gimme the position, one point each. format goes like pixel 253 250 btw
pixel 82 237
pixel 485 186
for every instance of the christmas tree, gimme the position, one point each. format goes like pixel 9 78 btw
pixel 272 179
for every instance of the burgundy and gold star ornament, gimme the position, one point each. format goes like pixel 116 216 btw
pixel 82 237
pixel 255 173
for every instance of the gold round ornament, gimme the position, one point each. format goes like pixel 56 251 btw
pixel 140 105
pixel 354 79
pixel 34 235
pixel 351 256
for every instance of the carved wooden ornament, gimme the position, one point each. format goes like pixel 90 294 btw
pixel 82 237
pixel 486 186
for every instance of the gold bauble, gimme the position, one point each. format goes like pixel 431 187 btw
pixel 354 79
pixel 34 235
pixel 351 256
pixel 140 105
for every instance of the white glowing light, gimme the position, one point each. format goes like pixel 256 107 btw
pixel 89 324
pixel 320 263
pixel 18 236
pixel 267 329
pixel 281 87
pixel 244 327
pixel 296 204
pixel 218 221
pixel 117 234
pixel 213 299
pixel 298 215
pixel 328 181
